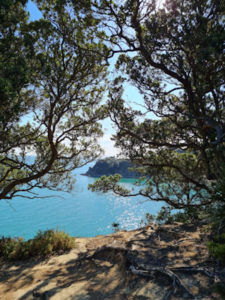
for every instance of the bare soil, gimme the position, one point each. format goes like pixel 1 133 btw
pixel 154 262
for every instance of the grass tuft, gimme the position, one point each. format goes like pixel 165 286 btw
pixel 44 244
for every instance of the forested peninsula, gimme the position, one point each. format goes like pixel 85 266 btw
pixel 110 166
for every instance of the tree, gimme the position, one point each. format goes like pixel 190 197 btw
pixel 59 103
pixel 15 57
pixel 178 67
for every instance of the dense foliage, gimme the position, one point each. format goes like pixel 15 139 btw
pixel 217 247
pixel 51 87
pixel 176 137
pixel 55 75
pixel 16 51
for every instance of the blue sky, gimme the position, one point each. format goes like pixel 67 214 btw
pixel 35 14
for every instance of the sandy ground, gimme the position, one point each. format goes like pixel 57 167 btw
pixel 166 262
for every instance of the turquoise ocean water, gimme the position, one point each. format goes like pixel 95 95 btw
pixel 80 213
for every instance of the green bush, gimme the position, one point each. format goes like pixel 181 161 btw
pixel 116 227
pixel 149 218
pixel 164 215
pixel 217 247
pixel 45 243
pixel 8 245
pixel 219 288
pixel 217 221
pixel 167 216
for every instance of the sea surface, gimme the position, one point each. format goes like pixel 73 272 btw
pixel 81 213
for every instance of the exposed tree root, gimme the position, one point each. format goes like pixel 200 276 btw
pixel 151 271
pixel 176 281
pixel 193 269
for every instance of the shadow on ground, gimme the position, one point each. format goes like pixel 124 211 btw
pixel 158 263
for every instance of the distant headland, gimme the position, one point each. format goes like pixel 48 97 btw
pixel 111 166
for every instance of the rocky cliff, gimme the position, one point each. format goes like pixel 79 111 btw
pixel 111 166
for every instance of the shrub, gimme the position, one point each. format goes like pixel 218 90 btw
pixel 219 288
pixel 45 243
pixel 167 215
pixel 150 218
pixel 164 215
pixel 8 245
pixel 217 247
pixel 116 227
pixel 217 221
pixel 53 241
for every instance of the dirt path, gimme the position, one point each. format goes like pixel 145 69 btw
pixel 166 262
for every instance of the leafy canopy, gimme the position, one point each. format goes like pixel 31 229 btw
pixel 16 50
pixel 178 66
pixel 52 85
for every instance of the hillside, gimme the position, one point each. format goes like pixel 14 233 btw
pixel 111 166
pixel 165 262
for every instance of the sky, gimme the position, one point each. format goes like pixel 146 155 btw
pixel 131 94
pixel 35 14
